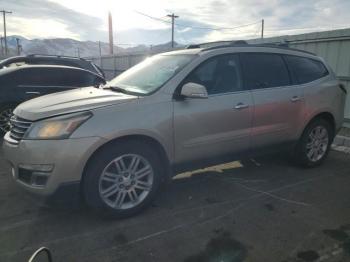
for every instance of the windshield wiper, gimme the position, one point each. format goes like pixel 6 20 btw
pixel 117 89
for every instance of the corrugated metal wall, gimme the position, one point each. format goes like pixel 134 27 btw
pixel 333 46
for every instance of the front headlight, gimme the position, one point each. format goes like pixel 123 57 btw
pixel 57 127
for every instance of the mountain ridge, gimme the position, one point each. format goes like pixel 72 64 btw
pixel 72 47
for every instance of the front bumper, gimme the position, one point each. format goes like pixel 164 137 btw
pixel 56 162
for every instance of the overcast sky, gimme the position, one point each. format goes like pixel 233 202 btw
pixel 87 19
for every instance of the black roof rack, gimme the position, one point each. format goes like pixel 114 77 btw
pixel 242 43
pixel 216 44
pixel 283 45
pixel 58 56
pixel 193 46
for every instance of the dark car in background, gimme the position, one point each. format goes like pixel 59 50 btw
pixel 18 84
pixel 37 59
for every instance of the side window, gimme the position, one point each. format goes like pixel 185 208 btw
pixel 219 75
pixel 37 77
pixel 304 69
pixel 77 78
pixel 263 70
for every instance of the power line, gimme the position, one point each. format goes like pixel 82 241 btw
pixel 198 27
pixel 152 17
pixel 217 28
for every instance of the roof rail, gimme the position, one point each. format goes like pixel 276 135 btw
pixel 217 44
pixel 193 46
pixel 282 45
pixel 242 43
pixel 59 56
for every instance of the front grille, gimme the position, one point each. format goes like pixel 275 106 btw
pixel 19 127
pixel 32 178
pixel 25 175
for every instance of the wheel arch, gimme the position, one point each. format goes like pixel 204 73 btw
pixel 148 140
pixel 326 115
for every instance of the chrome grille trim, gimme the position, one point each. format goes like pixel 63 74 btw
pixel 19 127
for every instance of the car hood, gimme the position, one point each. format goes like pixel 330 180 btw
pixel 70 101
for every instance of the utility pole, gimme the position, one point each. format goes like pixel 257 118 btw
pixel 2 46
pixel 19 47
pixel 262 29
pixel 173 16
pixel 4 12
pixel 110 30
pixel 99 48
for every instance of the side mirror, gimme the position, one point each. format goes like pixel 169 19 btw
pixel 194 90
pixel 98 82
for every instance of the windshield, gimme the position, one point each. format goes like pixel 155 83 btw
pixel 151 74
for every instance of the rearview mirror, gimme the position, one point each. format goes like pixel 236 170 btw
pixel 194 90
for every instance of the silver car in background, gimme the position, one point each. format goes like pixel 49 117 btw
pixel 174 111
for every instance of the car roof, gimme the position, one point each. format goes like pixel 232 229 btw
pixel 41 57
pixel 56 59
pixel 241 46
pixel 13 69
pixel 183 52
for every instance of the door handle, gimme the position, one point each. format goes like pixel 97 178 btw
pixel 241 106
pixel 295 99
pixel 33 93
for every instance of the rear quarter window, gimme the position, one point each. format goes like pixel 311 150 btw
pixel 304 69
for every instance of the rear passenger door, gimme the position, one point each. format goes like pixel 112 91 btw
pixel 278 101
pixel 33 82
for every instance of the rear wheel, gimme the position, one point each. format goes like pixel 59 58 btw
pixel 122 179
pixel 314 144
pixel 5 115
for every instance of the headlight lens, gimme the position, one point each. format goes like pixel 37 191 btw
pixel 57 127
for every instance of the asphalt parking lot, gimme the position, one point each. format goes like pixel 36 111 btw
pixel 261 210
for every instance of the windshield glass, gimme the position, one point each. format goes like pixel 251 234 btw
pixel 151 74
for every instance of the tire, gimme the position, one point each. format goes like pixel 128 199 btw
pixel 5 114
pixel 107 180
pixel 314 144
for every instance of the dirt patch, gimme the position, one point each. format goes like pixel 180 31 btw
pixel 340 235
pixel 120 239
pixel 336 234
pixel 221 248
pixel 308 255
pixel 211 200
pixel 269 207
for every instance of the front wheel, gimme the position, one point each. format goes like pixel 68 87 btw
pixel 122 179
pixel 314 144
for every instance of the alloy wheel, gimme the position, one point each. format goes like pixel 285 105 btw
pixel 317 144
pixel 126 181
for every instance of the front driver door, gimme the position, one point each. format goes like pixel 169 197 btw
pixel 220 124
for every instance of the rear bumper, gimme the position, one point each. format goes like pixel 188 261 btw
pixel 44 167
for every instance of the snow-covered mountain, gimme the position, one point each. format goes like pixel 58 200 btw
pixel 71 47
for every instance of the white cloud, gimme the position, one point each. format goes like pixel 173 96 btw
pixel 87 20
pixel 40 28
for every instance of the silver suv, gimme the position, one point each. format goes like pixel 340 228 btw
pixel 117 144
